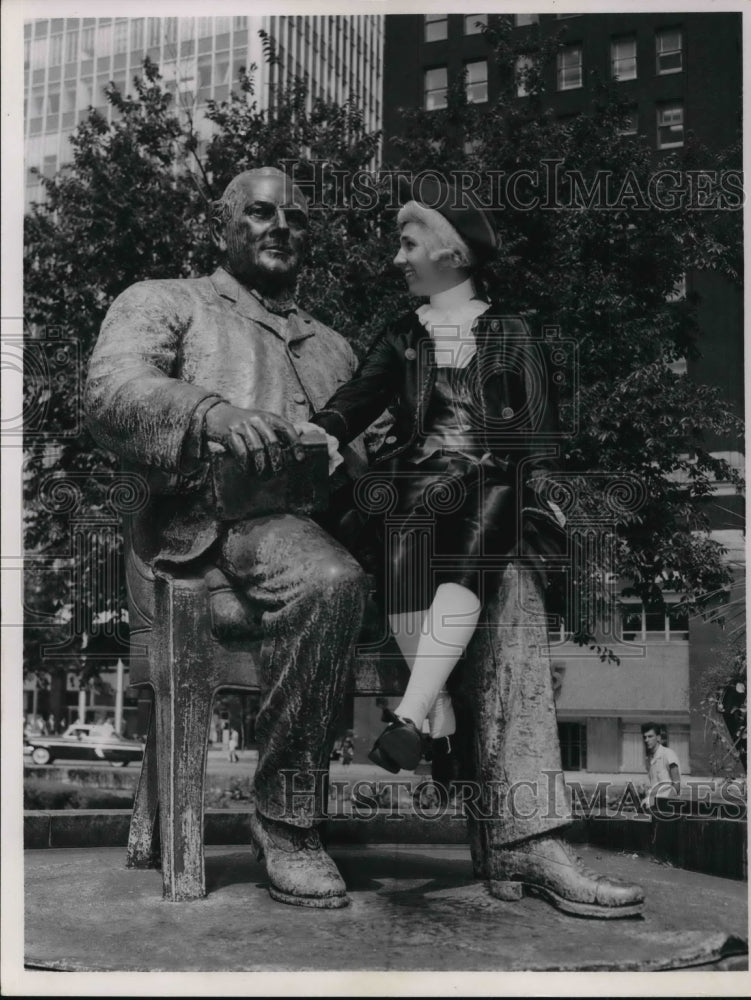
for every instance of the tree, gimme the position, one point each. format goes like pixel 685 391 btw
pixel 133 205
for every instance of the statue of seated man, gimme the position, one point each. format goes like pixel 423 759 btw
pixel 231 359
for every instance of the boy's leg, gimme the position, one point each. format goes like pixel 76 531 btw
pixel 447 630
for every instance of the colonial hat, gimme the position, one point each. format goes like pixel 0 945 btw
pixel 457 207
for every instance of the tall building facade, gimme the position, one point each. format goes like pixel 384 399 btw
pixel 69 61
pixel 678 72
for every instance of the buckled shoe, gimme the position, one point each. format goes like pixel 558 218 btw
pixel 399 746
pixel 547 867
pixel 300 871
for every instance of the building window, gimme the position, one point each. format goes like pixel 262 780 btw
pixel 154 32
pixel 136 34
pixel 436 27
pixel 436 84
pixel 631 623
pixel 239 23
pixel 37 102
pixel 39 53
pixel 56 50
pixel 677 618
pixel 71 46
pixel 653 623
pixel 477 81
pixel 104 40
pixel 573 739
pixel 623 58
pixel 221 76
pixel 670 125
pixel 121 36
pixel 49 167
pixel 669 45
pixel 570 67
pixel 475 23
pixel 87 43
pixel 630 124
pixel 523 65
pixel 522 19
pixel 205 27
pixel 170 30
pixel 69 98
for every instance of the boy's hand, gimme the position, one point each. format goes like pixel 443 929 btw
pixel 335 459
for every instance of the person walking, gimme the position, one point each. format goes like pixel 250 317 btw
pixel 234 738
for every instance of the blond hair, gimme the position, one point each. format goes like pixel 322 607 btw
pixel 446 243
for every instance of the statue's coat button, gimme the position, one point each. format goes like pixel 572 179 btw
pixel 299 398
pixel 507 413
pixel 495 326
pixel 391 439
pixel 410 354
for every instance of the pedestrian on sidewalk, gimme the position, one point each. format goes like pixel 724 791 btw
pixel 234 739
pixel 663 767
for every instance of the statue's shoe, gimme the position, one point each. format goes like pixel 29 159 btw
pixel 547 867
pixel 300 872
pixel 399 745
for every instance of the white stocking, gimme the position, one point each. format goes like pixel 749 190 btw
pixel 447 627
pixel 407 628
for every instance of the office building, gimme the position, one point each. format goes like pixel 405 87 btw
pixel 69 61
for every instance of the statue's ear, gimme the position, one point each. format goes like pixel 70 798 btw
pixel 216 226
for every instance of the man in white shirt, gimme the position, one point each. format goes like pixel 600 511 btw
pixel 663 767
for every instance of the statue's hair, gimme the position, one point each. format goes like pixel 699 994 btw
pixel 445 243
pixel 223 208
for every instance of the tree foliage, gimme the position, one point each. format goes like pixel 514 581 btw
pixel 133 205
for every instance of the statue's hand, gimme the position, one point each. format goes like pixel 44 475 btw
pixel 254 437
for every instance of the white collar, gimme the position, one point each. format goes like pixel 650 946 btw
pixel 454 306
pixel 452 298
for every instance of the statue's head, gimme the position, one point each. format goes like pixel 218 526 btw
pixel 260 225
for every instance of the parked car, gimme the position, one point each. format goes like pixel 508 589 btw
pixel 84 742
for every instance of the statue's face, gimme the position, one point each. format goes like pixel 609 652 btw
pixel 266 235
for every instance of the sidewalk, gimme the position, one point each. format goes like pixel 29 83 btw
pixel 414 907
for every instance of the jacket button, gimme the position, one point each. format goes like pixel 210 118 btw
pixel 507 413
pixel 390 439
pixel 495 326
pixel 410 354
pixel 299 398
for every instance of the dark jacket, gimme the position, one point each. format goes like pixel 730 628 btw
pixel 517 407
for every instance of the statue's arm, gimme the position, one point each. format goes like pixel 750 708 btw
pixel 135 406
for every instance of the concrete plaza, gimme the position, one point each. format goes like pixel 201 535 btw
pixel 414 907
